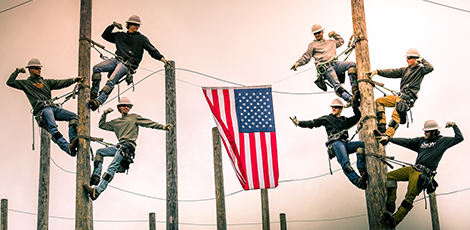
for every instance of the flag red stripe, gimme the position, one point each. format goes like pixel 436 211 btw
pixel 264 153
pixel 254 160
pixel 274 156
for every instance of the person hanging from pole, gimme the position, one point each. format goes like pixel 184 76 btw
pixel 126 129
pixel 130 47
pixel 430 149
pixel 338 144
pixel 38 91
pixel 411 78
pixel 324 53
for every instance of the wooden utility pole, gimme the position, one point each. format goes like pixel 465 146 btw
pixel 375 192
pixel 219 180
pixel 152 221
pixel 171 150
pixel 282 220
pixel 44 181
pixel 434 214
pixel 83 204
pixel 265 209
pixel 4 215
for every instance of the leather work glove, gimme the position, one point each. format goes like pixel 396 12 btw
pixel 331 34
pixel 21 70
pixel 295 121
pixel 165 62
pixel 294 67
pixel 117 25
pixel 109 110
pixel 419 60
pixel 383 140
pixel 168 127
pixel 371 73
pixel 78 79
pixel 450 124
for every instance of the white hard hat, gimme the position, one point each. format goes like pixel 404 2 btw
pixel 337 102
pixel 34 62
pixel 317 28
pixel 125 101
pixel 430 125
pixel 134 19
pixel 412 53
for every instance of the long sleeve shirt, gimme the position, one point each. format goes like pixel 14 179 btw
pixel 429 152
pixel 126 128
pixel 130 45
pixel 321 50
pixel 333 124
pixel 37 88
pixel 411 77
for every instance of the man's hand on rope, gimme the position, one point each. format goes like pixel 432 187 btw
pixel 450 124
pixel 117 25
pixel 419 61
pixel 21 70
pixel 168 127
pixel 295 121
pixel 78 79
pixel 383 140
pixel 371 73
pixel 165 62
pixel 294 67
pixel 109 110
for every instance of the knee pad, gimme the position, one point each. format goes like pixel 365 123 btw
pixel 73 122
pixel 352 70
pixel 107 89
pixel 98 159
pixel 96 77
pixel 360 150
pixel 348 170
pixel 340 91
pixel 107 177
pixel 393 124
pixel 405 204
pixel 56 136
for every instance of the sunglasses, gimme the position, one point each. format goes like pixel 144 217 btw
pixel 336 107
pixel 317 33
pixel 129 106
pixel 133 24
pixel 36 68
pixel 410 57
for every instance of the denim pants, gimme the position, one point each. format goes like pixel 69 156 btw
pixel 116 69
pixel 117 157
pixel 340 67
pixel 342 151
pixel 53 114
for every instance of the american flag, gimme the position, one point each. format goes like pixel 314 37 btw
pixel 245 120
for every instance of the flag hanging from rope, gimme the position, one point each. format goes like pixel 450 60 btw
pixel 245 120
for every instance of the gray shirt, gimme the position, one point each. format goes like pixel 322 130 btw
pixel 321 50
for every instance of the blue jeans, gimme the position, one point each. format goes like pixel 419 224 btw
pixel 117 157
pixel 340 67
pixel 342 151
pixel 116 69
pixel 52 114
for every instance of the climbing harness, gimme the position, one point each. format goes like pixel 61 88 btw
pixel 321 68
pixel 36 112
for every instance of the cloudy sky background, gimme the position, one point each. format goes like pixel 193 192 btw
pixel 251 43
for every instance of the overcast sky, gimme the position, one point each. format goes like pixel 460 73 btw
pixel 251 43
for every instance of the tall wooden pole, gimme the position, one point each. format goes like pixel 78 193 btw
pixel 83 205
pixel 219 180
pixel 152 221
pixel 282 220
pixel 171 150
pixel 44 181
pixel 434 214
pixel 4 215
pixel 375 192
pixel 265 209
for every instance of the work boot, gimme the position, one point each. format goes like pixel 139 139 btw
pixel 390 220
pixel 377 133
pixel 95 179
pixel 94 104
pixel 91 191
pixel 390 206
pixel 356 95
pixel 73 147
pixel 93 95
pixel 382 127
pixel 362 181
